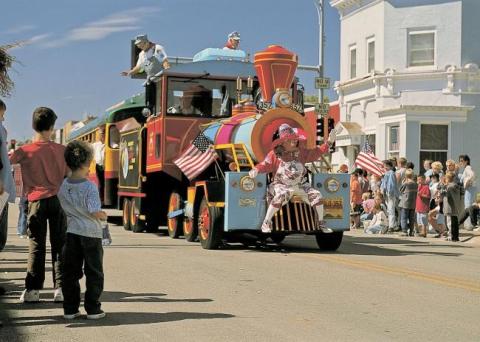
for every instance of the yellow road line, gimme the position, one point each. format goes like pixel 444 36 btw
pixel 434 278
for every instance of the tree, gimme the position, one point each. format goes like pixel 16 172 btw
pixel 6 61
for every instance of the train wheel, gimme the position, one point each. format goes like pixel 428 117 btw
pixel 210 225
pixel 189 230
pixel 278 238
pixel 126 214
pixel 329 241
pixel 135 224
pixel 175 225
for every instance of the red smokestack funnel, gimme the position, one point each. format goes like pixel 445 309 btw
pixel 275 68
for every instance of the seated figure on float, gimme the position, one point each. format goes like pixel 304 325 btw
pixel 286 162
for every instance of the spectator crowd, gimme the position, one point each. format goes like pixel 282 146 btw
pixel 437 201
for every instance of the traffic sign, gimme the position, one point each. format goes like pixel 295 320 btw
pixel 322 83
pixel 322 108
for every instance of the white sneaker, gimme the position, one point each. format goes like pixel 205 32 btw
pixel 72 316
pixel 98 315
pixel 266 227
pixel 30 296
pixel 58 295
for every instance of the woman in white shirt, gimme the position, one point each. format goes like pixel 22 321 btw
pixel 468 180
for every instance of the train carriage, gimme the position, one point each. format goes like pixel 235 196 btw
pixel 114 117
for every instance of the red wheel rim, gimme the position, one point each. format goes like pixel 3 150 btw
pixel 204 223
pixel 173 205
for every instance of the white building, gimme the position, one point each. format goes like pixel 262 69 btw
pixel 409 76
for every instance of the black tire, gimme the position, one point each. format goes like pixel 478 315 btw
pixel 135 224
pixel 278 238
pixel 175 225
pixel 210 225
pixel 126 214
pixel 4 227
pixel 329 241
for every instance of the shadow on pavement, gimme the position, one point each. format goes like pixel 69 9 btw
pixel 7 331
pixel 118 318
pixel 126 297
pixel 355 245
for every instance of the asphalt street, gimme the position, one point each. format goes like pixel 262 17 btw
pixel 374 288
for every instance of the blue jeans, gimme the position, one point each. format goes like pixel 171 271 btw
pixel 22 216
pixel 366 216
pixel 407 218
pixel 470 196
pixel 376 229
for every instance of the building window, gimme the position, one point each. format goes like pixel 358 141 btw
pixel 371 141
pixel 371 55
pixel 433 143
pixel 393 141
pixel 353 61
pixel 421 48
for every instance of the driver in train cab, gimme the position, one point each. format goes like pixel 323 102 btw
pixel 286 162
pixel 233 41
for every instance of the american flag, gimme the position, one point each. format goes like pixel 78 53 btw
pixel 197 157
pixel 367 161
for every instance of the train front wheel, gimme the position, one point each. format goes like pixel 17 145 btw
pixel 210 225
pixel 329 241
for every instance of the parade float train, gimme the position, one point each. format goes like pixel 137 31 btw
pixel 218 94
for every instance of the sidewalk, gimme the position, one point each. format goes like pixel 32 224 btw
pixel 466 237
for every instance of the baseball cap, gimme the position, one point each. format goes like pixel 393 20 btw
pixel 234 35
pixel 141 38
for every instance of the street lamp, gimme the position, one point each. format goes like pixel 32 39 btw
pixel 320 10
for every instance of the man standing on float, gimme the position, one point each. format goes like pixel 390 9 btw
pixel 286 162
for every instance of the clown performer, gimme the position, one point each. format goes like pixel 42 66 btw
pixel 287 164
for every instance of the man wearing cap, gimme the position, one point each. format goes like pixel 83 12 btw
pixel 151 59
pixel 233 41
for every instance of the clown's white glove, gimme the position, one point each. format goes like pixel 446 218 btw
pixel 253 173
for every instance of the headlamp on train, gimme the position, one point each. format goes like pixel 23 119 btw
pixel 247 184
pixel 282 98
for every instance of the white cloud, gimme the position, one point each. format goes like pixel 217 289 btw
pixel 123 21
pixel 19 29
pixel 39 38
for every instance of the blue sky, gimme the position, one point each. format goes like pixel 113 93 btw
pixel 77 49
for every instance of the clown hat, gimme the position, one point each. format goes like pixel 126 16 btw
pixel 286 132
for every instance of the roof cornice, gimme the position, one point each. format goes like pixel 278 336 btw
pixel 419 108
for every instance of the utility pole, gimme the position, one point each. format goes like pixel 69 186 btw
pixel 321 82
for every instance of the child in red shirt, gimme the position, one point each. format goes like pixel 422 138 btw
pixel 43 170
pixel 422 205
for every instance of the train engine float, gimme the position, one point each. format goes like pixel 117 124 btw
pixel 218 97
